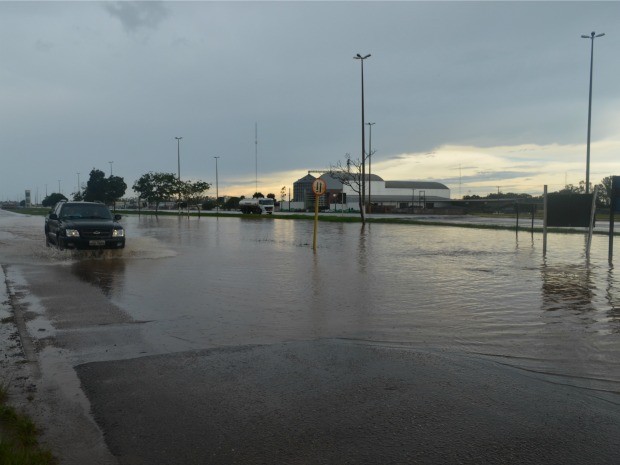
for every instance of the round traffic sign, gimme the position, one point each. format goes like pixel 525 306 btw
pixel 319 187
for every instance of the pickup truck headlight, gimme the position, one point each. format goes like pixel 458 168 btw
pixel 72 233
pixel 118 233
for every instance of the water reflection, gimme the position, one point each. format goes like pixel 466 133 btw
pixel 613 298
pixel 567 287
pixel 236 281
pixel 103 272
pixel 362 253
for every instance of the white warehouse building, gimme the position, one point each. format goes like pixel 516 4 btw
pixel 385 196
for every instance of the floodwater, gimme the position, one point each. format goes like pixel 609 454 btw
pixel 208 282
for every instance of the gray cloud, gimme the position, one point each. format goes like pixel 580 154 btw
pixel 137 15
pixel 43 45
pixel 480 74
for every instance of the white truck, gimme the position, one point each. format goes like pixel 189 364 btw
pixel 259 206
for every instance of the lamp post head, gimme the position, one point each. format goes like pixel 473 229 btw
pixel 592 35
pixel 360 57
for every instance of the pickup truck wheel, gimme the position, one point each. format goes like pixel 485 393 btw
pixel 59 243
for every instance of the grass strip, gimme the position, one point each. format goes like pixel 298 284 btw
pixel 19 443
pixel 335 218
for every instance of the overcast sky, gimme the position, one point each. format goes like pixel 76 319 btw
pixel 477 95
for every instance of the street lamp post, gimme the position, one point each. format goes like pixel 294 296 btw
pixel 369 165
pixel 178 157
pixel 363 189
pixel 79 190
pixel 592 36
pixel 110 162
pixel 179 170
pixel 217 188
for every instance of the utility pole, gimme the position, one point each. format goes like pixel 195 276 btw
pixel 369 165
pixel 179 171
pixel 217 189
pixel 363 189
pixel 255 157
pixel 592 36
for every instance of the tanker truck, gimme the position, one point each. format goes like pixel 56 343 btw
pixel 256 206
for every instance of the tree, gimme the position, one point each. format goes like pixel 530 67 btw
pixel 271 196
pixel 352 177
pixel 115 189
pixel 208 204
pixel 572 189
pixel 603 196
pixel 258 195
pixel 232 203
pixel 96 187
pixel 53 199
pixel 102 189
pixel 156 187
pixel 193 192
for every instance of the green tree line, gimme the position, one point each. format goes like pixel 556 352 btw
pixel 603 194
pixel 153 188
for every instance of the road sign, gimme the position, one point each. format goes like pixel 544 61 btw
pixel 319 187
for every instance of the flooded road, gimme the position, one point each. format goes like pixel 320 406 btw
pixel 203 283
pixel 186 285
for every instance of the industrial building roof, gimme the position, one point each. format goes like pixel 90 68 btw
pixel 414 185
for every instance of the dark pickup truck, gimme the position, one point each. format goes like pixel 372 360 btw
pixel 83 225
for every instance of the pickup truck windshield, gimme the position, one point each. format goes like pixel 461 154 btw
pixel 93 212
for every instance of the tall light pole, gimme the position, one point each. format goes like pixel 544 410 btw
pixel 363 189
pixel 369 165
pixel 59 187
pixel 110 162
pixel 217 188
pixel 179 171
pixel 256 157
pixel 592 36
pixel 79 190
pixel 178 157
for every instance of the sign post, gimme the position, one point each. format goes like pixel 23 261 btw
pixel 613 209
pixel 318 187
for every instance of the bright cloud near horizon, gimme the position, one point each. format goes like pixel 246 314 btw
pixel 480 96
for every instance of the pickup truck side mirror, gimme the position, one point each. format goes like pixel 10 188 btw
pixel 117 217
pixel 53 216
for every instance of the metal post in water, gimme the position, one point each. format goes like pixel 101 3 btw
pixel 545 222
pixel 590 229
pixel 612 219
pixel 613 204
pixel 517 209
pixel 316 220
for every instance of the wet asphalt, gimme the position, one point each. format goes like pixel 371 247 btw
pixel 318 401
pixel 342 402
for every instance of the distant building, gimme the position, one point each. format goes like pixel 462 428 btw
pixel 302 188
pixel 386 196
